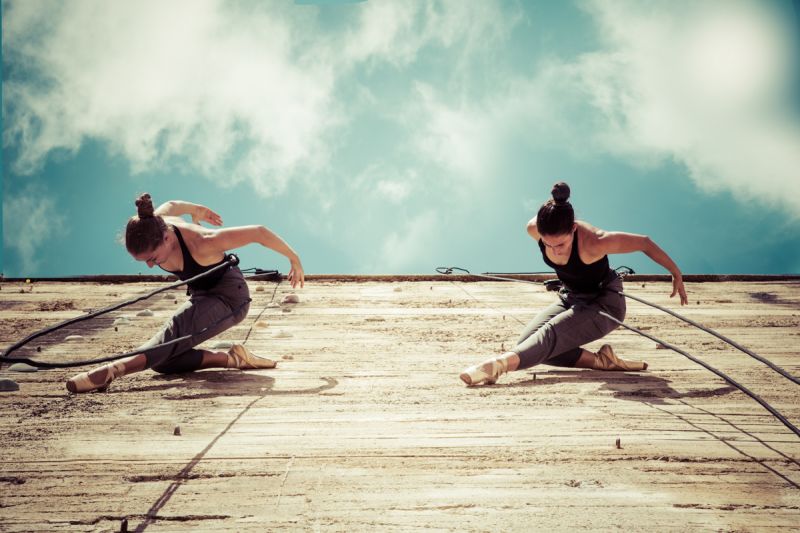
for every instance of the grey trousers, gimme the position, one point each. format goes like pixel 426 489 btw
pixel 556 334
pixel 221 308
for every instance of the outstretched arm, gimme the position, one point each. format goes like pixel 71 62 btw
pixel 617 242
pixel 199 213
pixel 230 238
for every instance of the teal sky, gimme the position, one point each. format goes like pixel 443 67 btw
pixel 398 136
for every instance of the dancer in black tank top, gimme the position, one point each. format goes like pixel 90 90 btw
pixel 217 302
pixel 578 252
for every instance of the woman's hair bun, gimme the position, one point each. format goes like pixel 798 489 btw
pixel 560 193
pixel 144 204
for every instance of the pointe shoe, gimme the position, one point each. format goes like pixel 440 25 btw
pixel 242 358
pixel 487 373
pixel 606 359
pixel 97 379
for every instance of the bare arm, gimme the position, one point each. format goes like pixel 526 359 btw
pixel 199 213
pixel 230 238
pixel 617 242
pixel 532 231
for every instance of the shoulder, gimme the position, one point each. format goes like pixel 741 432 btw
pixel 187 228
pixel 590 238
pixel 194 235
pixel 588 233
pixel 532 231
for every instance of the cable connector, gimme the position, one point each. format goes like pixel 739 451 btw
pixel 552 285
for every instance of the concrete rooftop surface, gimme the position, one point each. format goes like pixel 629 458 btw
pixel 365 425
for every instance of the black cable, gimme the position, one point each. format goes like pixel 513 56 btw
pixel 256 319
pixel 736 345
pixel 721 374
pixel 71 364
pixel 231 260
pixel 623 271
pixel 780 417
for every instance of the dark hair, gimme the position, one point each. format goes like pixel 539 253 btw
pixel 145 231
pixel 556 216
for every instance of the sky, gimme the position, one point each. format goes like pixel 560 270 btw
pixel 382 137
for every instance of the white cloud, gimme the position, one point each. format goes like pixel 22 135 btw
pixel 228 92
pixel 457 137
pixel 702 83
pixel 234 91
pixel 395 32
pixel 30 219
pixel 415 237
pixel 394 191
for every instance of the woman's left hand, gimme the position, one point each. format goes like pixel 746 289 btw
pixel 296 275
pixel 204 214
pixel 677 288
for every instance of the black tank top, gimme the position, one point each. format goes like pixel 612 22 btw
pixel 576 275
pixel 192 269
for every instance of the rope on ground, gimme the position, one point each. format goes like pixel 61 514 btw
pixel 762 402
pixel 720 336
pixel 256 319
pixel 767 362
pixel 232 260
pixel 710 368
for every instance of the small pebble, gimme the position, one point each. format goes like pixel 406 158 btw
pixel 660 346
pixel 398 289
pixel 8 385
pixel 177 431
pixel 116 328
pixel 262 324
pixel 222 345
pixel 288 357
pixel 73 338
pixel 619 447
pixel 22 367
pixel 375 319
pixel 145 312
pixel 290 299
pixel 273 304
pixel 260 288
pixel 286 310
pixel 122 320
pixel 38 348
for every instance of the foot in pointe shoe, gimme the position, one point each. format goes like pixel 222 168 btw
pixel 606 359
pixel 242 358
pixel 97 379
pixel 487 373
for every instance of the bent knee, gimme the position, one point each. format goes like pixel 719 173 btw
pixel 163 369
